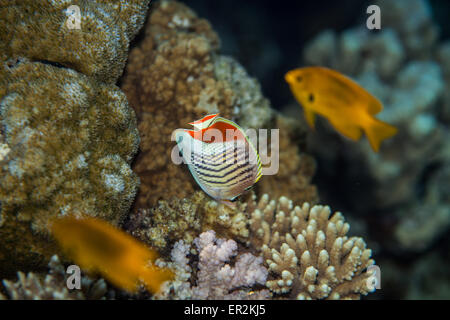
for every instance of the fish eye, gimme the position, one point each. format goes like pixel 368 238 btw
pixel 299 78
pixel 311 97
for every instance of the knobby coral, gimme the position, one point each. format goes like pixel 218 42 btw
pixel 71 141
pixel 68 134
pixel 308 252
pixel 215 277
pixel 96 47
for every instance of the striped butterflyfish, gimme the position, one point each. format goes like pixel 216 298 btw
pixel 220 156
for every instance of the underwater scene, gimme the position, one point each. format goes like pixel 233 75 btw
pixel 224 150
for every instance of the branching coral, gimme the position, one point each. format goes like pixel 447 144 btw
pixel 176 75
pixel 215 277
pixel 53 287
pixel 98 49
pixel 308 251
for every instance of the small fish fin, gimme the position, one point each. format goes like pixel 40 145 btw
pixel 377 131
pixel 375 106
pixel 310 117
pixel 153 277
pixel 348 130
pixel 228 203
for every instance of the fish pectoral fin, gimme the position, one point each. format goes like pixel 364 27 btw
pixel 228 203
pixel 347 129
pixel 377 131
pixel 310 117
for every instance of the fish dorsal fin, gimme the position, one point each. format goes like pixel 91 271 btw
pixel 205 122
pixel 374 106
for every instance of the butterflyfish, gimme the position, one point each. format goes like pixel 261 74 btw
pixel 348 107
pixel 97 246
pixel 220 156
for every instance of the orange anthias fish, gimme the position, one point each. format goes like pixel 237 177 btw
pixel 349 107
pixel 220 157
pixel 97 246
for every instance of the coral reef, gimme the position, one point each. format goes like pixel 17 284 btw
pixel 176 75
pixel 70 152
pixel 185 219
pixel 308 252
pixel 407 70
pixel 53 287
pixel 215 277
pixel 68 134
pixel 296 168
pixel 401 194
pixel 98 48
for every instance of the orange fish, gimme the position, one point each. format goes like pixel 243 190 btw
pixel 97 246
pixel 349 107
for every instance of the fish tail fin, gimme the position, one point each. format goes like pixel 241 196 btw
pixel 154 276
pixel 377 131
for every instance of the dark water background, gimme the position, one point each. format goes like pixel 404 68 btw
pixel 267 37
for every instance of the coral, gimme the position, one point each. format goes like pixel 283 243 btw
pixel 68 134
pixel 414 23
pixel 53 286
pixel 71 141
pixel 296 168
pixel 407 70
pixel 429 279
pixel 308 252
pixel 215 277
pixel 185 219
pixel 176 75
pixel 98 49
pixel 425 222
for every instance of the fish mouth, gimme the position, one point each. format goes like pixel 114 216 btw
pixel 289 77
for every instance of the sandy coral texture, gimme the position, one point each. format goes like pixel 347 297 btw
pixel 42 31
pixel 68 134
pixel 176 75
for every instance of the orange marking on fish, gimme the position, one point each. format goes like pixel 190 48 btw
pixel 220 156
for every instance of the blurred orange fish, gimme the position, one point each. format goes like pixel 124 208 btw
pixel 349 107
pixel 97 246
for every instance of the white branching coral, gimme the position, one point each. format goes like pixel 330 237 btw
pixel 32 286
pixel 308 252
pixel 216 276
